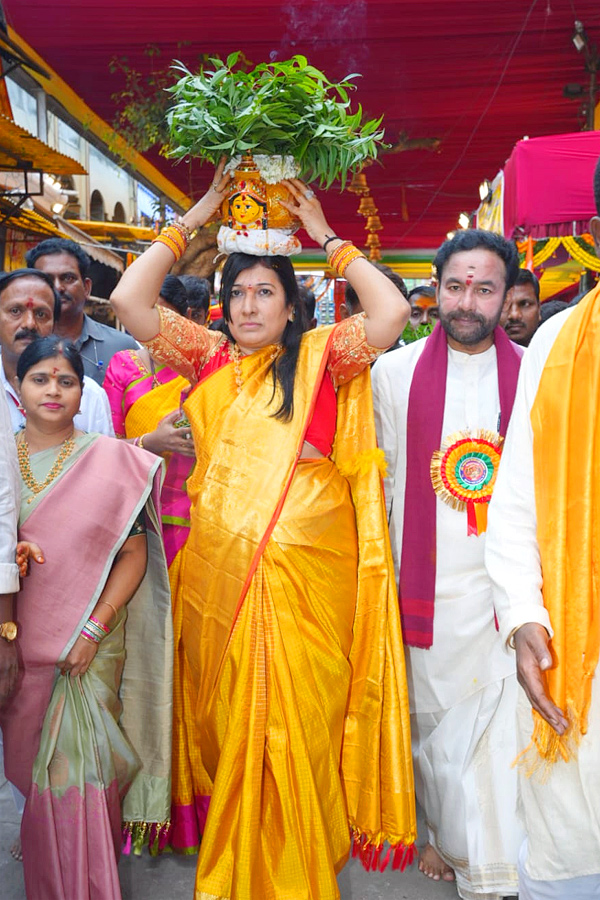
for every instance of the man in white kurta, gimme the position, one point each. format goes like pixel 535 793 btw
pixel 561 856
pixel 463 688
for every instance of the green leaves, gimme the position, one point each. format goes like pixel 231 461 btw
pixel 286 108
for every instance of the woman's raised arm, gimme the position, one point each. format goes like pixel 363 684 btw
pixel 386 309
pixel 134 298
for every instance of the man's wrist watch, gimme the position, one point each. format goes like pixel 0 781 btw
pixel 8 631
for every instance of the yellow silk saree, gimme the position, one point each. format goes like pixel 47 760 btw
pixel 292 634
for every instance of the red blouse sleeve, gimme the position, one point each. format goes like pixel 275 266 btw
pixel 182 344
pixel 349 351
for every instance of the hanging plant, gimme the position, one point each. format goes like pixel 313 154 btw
pixel 278 109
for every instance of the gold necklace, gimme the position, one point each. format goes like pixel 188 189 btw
pixel 236 356
pixel 34 486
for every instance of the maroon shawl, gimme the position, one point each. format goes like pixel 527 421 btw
pixel 425 416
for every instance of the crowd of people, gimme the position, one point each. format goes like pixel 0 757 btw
pixel 251 602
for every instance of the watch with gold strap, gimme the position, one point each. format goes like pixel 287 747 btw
pixel 8 631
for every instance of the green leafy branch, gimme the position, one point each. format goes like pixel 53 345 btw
pixel 287 108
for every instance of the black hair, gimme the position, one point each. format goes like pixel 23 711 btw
pixel 284 367
pixel 7 278
pixel 49 348
pixel 471 239
pixel 309 300
pixel 198 291
pixel 422 290
pixel 597 187
pixel 351 297
pixel 526 277
pixel 174 293
pixel 54 246
pixel 551 308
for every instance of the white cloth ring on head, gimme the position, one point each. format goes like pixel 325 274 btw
pixel 309 194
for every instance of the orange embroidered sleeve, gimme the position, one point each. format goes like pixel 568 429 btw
pixel 350 353
pixel 182 344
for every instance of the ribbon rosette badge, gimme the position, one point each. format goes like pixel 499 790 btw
pixel 463 474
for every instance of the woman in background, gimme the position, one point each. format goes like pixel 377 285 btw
pixel 92 744
pixel 145 398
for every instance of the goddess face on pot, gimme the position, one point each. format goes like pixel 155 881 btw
pixel 246 210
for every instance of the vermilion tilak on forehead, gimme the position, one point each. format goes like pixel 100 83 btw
pixel 55 370
pixel 29 303
pixel 470 275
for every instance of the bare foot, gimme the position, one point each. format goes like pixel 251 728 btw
pixel 432 865
pixel 15 850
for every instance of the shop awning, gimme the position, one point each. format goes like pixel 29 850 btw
pixel 21 149
pixel 26 220
pixel 118 231
pixel 93 248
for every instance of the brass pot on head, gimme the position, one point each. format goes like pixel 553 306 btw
pixel 253 204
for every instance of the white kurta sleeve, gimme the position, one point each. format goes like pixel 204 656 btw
pixel 512 555
pixel 9 502
pixel 95 415
pixel 386 426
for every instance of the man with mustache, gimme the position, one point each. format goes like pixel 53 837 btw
pixel 522 313
pixel 29 308
pixel 68 266
pixel 442 406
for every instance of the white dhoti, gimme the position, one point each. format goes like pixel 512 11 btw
pixel 561 810
pixel 461 757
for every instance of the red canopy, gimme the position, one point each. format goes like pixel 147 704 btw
pixel 548 185
pixel 477 76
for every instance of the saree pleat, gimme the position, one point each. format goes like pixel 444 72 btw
pixel 292 637
pixel 83 770
pixel 275 723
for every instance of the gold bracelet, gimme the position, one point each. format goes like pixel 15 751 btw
pixel 140 442
pixel 114 608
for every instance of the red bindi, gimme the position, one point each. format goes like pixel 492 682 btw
pixel 29 304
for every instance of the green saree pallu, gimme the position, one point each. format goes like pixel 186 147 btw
pixel 91 751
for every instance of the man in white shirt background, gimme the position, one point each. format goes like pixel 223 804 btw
pixel 442 405
pixel 29 308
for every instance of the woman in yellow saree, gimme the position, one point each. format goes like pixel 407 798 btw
pixel 290 620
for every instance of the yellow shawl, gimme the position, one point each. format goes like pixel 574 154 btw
pixel 566 451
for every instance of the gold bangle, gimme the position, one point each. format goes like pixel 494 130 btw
pixel 140 442
pixel 337 251
pixel 175 237
pixel 114 608
pixel 168 242
pixel 347 262
pixel 185 230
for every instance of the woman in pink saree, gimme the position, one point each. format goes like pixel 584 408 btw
pixel 87 733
